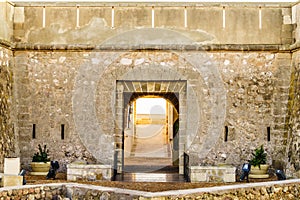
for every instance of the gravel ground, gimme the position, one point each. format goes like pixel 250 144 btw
pixel 142 186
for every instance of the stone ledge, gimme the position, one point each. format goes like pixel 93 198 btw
pixel 196 47
pixel 163 3
pixel 182 47
pixel 86 171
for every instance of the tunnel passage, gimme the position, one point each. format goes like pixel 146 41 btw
pixel 173 92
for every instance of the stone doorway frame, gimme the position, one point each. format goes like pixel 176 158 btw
pixel 160 88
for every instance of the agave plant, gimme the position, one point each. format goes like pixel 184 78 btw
pixel 259 157
pixel 41 155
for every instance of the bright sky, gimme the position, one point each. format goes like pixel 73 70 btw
pixel 150 106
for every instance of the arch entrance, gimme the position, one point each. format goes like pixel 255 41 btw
pixel 148 135
pixel 150 141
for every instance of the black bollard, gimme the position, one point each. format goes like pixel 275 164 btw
pixel 280 175
pixel 22 173
pixel 245 172
pixel 52 171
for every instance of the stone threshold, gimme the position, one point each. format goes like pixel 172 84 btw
pixel 217 189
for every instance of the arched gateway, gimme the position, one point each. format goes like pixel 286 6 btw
pixel 110 79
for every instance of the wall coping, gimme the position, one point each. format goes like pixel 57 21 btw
pixel 159 194
pixel 212 167
pixel 84 166
pixel 194 47
pixel 160 3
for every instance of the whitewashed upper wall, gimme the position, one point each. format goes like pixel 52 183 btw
pixel 152 23
pixel 6 21
pixel 296 21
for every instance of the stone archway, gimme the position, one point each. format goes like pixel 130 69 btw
pixel 127 91
pixel 96 113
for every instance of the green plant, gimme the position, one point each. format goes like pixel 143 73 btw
pixel 41 155
pixel 259 157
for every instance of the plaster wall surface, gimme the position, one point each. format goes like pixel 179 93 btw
pixel 6 21
pixel 239 24
pixel 295 21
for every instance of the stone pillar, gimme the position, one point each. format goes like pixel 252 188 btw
pixel 119 129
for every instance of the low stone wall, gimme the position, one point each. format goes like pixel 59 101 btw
pixel 88 172
pixel 33 192
pixel 284 190
pixel 212 174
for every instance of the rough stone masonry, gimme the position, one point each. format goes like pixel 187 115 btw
pixel 60 64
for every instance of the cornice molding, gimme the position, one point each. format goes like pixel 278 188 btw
pixel 192 47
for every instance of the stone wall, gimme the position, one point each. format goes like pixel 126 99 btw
pixel 293 125
pixel 257 87
pixel 285 190
pixel 42 23
pixel 44 84
pixel 276 190
pixel 81 93
pixel 64 81
pixel 8 140
pixel 49 191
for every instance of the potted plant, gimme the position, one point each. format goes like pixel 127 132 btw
pixel 259 167
pixel 40 161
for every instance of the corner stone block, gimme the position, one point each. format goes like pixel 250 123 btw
pixel 11 180
pixel 229 178
pixel 12 166
pixel 199 177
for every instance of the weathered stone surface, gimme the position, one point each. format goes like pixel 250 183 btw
pixel 11 180
pixel 284 190
pixel 242 85
pixel 294 120
pixel 7 138
pixel 233 80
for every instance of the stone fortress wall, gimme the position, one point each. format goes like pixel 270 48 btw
pixel 240 63
pixel 39 23
pixel 8 138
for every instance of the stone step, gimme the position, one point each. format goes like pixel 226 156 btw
pixel 151 169
pixel 150 177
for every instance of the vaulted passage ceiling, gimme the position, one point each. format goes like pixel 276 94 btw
pixel 168 90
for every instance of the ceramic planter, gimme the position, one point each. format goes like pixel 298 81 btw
pixel 261 172
pixel 40 168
